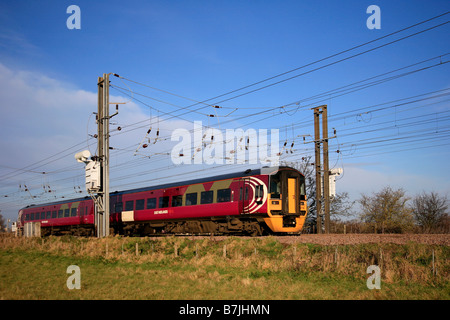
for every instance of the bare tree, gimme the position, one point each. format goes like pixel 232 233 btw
pixel 430 211
pixel 2 223
pixel 387 210
pixel 341 205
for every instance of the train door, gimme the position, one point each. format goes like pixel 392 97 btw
pixel 244 196
pixel 82 212
pixel 292 195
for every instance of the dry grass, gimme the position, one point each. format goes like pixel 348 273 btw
pixel 232 268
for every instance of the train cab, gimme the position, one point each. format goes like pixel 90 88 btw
pixel 286 203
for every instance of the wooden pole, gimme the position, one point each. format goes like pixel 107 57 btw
pixel 318 170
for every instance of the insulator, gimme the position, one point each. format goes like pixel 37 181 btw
pixel 144 145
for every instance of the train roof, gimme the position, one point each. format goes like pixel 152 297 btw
pixel 246 173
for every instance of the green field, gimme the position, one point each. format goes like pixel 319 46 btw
pixel 176 268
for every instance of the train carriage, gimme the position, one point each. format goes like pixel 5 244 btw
pixel 256 202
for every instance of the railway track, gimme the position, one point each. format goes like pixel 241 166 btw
pixel 345 239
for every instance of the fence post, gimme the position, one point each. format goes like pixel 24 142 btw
pixel 433 263
pixel 381 258
pixel 137 249
pixel 336 256
pixel 224 250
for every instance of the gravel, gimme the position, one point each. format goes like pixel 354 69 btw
pixel 335 239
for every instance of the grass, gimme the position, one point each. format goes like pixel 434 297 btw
pixel 177 268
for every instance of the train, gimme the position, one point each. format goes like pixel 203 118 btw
pixel 254 202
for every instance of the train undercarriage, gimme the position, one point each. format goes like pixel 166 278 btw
pixel 250 226
pixel 231 226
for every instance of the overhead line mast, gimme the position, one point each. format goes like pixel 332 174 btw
pixel 322 171
pixel 102 208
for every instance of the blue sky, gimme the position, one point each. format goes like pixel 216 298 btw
pixel 202 49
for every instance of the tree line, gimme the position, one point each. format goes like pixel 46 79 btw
pixel 386 211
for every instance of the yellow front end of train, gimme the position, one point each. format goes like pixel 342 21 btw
pixel 286 203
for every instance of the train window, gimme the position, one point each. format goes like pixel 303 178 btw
pixel 191 199
pixel 224 195
pixel 60 213
pixel 129 205
pixel 140 204
pixel 240 193
pixel 66 213
pixel 151 203
pixel 259 191
pixel 246 193
pixel 206 197
pixel 48 215
pixel 32 216
pixel 302 187
pixel 275 188
pixel 73 212
pixel 27 217
pixel 119 206
pixel 53 214
pixel 43 215
pixel 177 201
pixel 164 202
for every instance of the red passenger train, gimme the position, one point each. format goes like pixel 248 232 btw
pixel 253 202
